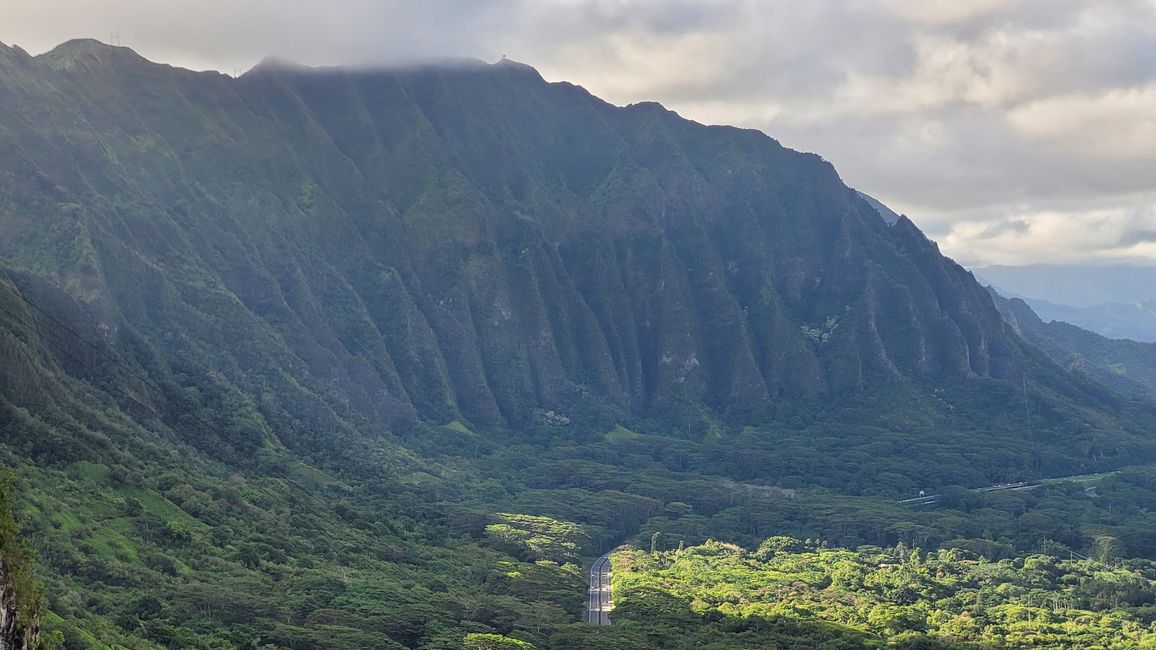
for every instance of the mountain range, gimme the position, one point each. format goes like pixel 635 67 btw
pixel 463 242
pixel 1115 301
pixel 310 340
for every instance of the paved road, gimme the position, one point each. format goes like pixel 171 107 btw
pixel 598 603
pixel 931 499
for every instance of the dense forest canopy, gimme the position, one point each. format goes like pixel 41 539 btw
pixel 722 596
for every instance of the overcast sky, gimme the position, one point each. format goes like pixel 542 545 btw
pixel 1011 131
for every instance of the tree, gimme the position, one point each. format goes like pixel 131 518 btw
pixel 19 590
pixel 478 641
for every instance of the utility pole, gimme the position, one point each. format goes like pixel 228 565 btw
pixel 1028 420
pixel 1027 409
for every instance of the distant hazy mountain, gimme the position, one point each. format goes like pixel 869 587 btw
pixel 1114 301
pixel 1128 367
pixel 890 216
pixel 1136 321
pixel 1079 286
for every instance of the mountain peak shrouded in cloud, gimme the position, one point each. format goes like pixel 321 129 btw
pixel 1015 131
pixel 516 65
pixel 273 63
pixel 282 63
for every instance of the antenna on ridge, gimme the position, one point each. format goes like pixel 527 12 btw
pixel 114 39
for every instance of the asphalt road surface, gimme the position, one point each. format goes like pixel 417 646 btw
pixel 598 603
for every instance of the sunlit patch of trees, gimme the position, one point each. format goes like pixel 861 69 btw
pixel 945 598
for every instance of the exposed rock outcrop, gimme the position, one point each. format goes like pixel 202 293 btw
pixel 16 631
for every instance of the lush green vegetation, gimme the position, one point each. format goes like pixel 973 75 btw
pixel 721 596
pixel 188 559
pixel 277 564
pixel 297 361
pixel 187 531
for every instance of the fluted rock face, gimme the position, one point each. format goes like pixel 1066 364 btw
pixel 461 241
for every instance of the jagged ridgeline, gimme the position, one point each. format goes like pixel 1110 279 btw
pixel 347 250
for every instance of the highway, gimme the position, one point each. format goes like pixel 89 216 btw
pixel 598 603
pixel 931 499
pixel 934 498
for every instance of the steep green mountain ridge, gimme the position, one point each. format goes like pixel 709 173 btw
pixel 301 359
pixel 466 241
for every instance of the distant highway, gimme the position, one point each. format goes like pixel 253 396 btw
pixel 598 602
pixel 934 498
pixel 926 500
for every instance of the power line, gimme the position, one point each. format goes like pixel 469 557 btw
pixel 35 328
pixel 32 328
pixel 10 285
pixel 101 351
pixel 1027 409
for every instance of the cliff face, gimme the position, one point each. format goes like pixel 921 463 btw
pixel 20 595
pixel 15 633
pixel 461 242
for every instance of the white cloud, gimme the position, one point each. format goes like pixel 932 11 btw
pixel 945 12
pixel 1124 233
pixel 1119 123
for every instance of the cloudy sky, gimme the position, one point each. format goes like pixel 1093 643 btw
pixel 1012 131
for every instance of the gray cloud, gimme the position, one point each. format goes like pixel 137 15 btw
pixel 1011 130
